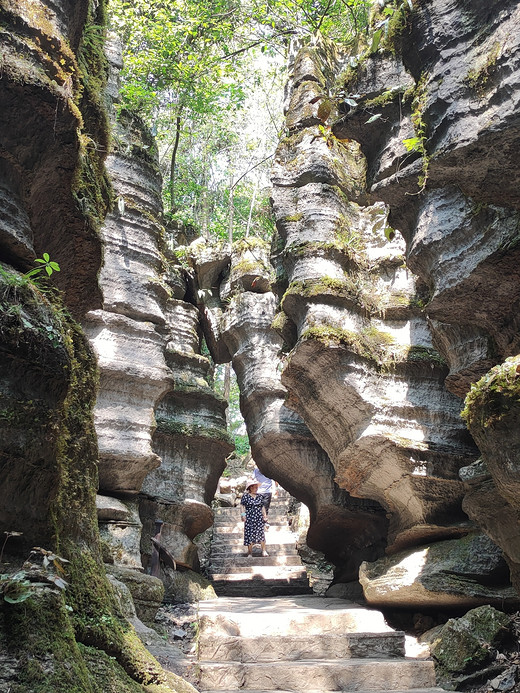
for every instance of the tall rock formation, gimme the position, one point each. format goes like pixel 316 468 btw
pixel 362 371
pixel 61 627
pixel 437 120
pixel 161 428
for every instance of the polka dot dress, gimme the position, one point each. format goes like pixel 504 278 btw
pixel 254 525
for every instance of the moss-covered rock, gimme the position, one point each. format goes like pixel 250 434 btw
pixel 494 396
pixel 466 644
pixel 187 586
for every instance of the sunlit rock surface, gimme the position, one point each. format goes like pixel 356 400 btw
pixel 363 372
pixel 461 573
pixel 191 439
pixel 461 83
pixel 161 428
pixel 124 334
pixel 451 89
pixel 351 530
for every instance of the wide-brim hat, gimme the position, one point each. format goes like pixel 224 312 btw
pixel 251 482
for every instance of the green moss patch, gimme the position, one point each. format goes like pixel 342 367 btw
pixel 192 430
pixel 493 397
pixel 371 343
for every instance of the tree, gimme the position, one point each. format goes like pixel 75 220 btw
pixel 191 67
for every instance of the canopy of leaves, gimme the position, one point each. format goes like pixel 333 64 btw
pixel 201 73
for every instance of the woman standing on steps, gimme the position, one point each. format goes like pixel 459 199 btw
pixel 254 517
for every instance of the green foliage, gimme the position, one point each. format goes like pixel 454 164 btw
pixel 370 343
pixel 418 143
pixel 16 588
pixel 478 78
pixel 494 396
pixel 241 444
pixel 46 264
pixel 208 77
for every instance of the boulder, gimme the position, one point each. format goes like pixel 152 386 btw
pixel 120 529
pixel 461 573
pixel 465 645
pixel 186 586
pixel 147 591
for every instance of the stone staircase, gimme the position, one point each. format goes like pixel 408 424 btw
pixel 233 574
pixel 303 643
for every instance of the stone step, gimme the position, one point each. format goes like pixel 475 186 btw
pixel 275 616
pixel 312 690
pixel 256 571
pixel 238 522
pixel 295 647
pixel 231 533
pixel 257 588
pixel 235 563
pixel 344 675
pixel 223 549
pixel 276 504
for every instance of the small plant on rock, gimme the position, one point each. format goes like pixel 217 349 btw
pixel 45 264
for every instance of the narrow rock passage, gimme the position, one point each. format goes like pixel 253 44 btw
pixel 234 574
pixel 266 631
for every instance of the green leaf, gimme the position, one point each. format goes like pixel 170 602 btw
pixel 17 599
pixel 32 272
pixel 373 118
pixel 54 266
pixel 46 257
pixel 376 39
pixel 48 270
pixel 389 233
pixel 413 144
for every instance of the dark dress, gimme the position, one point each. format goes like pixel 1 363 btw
pixel 254 524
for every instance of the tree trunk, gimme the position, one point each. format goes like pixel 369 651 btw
pixel 231 210
pixel 251 211
pixel 178 122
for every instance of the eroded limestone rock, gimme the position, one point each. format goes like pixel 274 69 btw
pixel 120 529
pixel 390 429
pixel 466 644
pixel 465 572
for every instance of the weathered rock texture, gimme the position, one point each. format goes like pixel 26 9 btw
pixel 391 431
pixel 446 80
pixel 55 194
pixel 45 151
pixel 384 337
pixel 281 443
pixel 161 428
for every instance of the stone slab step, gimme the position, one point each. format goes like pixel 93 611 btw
pixel 296 647
pixel 241 562
pixel 256 571
pixel 312 690
pixel 238 524
pixel 286 616
pixel 222 550
pixel 344 675
pixel 277 504
pixel 257 589
pixel 282 534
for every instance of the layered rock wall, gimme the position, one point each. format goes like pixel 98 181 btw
pixel 436 118
pixel 161 428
